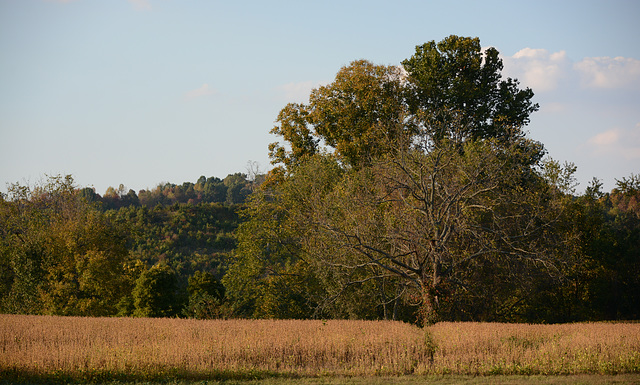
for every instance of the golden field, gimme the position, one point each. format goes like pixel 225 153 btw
pixel 156 348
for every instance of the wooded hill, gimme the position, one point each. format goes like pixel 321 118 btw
pixel 67 250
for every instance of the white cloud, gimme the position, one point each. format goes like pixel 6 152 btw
pixel 299 92
pixel 204 90
pixel 618 142
pixel 605 139
pixel 537 68
pixel 141 5
pixel 606 72
pixel 543 71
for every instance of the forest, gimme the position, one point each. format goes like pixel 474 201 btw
pixel 407 193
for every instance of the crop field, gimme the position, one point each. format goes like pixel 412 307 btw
pixel 138 349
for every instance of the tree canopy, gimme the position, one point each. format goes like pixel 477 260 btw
pixel 452 86
pixel 456 76
pixel 416 181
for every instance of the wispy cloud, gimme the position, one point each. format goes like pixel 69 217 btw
pixel 605 139
pixel 538 69
pixel 204 90
pixel 617 142
pixel 299 92
pixel 542 70
pixel 606 72
pixel 141 5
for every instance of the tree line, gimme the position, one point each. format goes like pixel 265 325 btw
pixel 67 250
pixel 233 189
pixel 406 192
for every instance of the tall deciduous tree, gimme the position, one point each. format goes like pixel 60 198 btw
pixel 456 75
pixel 437 182
pixel 353 115
pixel 450 82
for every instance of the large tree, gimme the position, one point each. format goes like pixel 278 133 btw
pixel 417 182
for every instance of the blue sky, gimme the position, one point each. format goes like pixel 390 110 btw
pixel 139 92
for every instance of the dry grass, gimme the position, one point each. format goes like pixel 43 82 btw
pixel 483 348
pixel 125 345
pixel 125 348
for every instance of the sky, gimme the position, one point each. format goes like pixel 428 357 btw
pixel 141 92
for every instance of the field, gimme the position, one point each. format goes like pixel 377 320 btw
pixel 38 348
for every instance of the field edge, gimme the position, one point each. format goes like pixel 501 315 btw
pixel 256 377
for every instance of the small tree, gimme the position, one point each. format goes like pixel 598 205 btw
pixel 206 295
pixel 156 292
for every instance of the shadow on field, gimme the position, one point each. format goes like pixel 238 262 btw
pixel 173 377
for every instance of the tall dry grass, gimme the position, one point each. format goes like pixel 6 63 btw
pixel 125 345
pixel 150 348
pixel 485 348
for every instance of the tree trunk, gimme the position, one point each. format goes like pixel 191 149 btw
pixel 430 298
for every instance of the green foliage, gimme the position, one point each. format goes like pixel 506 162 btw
pixel 237 188
pixel 611 244
pixel 287 294
pixel 354 115
pixel 60 254
pixel 206 295
pixel 156 292
pixel 368 108
pixel 600 278
pixel 268 258
pixel 205 283
pixel 68 251
pixel 190 238
pixel 457 76
pixel 359 111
